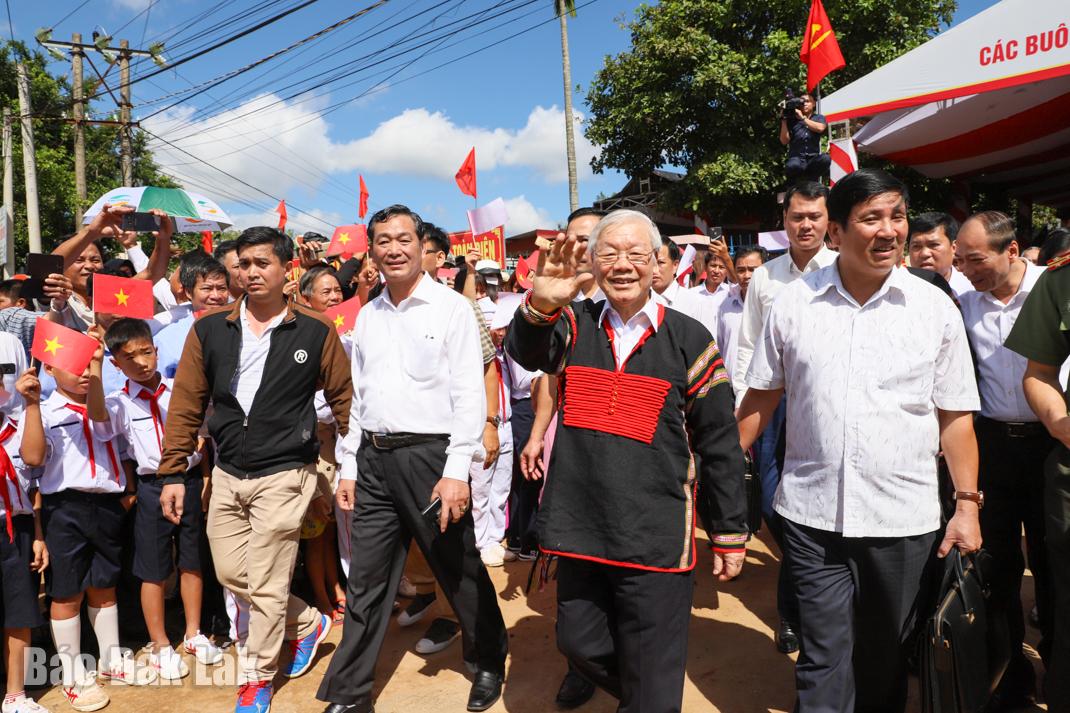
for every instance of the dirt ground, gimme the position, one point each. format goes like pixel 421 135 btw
pixel 733 666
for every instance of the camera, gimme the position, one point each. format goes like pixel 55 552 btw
pixel 790 104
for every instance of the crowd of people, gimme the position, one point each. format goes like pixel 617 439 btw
pixel 891 382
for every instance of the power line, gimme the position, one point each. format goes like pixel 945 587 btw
pixel 10 24
pixel 65 17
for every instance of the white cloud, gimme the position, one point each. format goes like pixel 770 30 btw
pixel 132 4
pixel 273 142
pixel 523 216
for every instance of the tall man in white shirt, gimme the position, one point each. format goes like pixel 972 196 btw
pixel 931 246
pixel 878 371
pixel 805 222
pixel 1013 442
pixel 416 422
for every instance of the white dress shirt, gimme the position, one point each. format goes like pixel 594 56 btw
pixel 959 284
pixel 728 321
pixel 626 336
pixel 417 368
pixel 254 353
pixel 863 384
pixel 17 490
pixel 130 415
pixel 988 322
pixel 519 379
pixel 682 300
pixel 708 305
pixel 765 284
pixel 76 457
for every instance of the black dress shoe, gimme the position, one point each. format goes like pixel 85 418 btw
pixel 575 690
pixel 787 641
pixel 486 690
pixel 346 708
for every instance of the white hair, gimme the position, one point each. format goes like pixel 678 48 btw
pixel 620 217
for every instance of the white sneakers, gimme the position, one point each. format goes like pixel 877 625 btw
pixel 168 664
pixel 207 653
pixel 24 705
pixel 127 671
pixel 493 555
pixel 87 695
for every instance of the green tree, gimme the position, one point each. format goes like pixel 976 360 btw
pixel 699 89
pixel 50 98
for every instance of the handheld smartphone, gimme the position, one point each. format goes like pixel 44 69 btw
pixel 140 222
pixel 432 513
pixel 38 267
pixel 7 368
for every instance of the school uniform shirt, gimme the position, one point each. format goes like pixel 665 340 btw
pixel 519 379
pixel 11 352
pixel 75 457
pixel 111 378
pixel 863 385
pixel 17 477
pixel 416 368
pixel 139 414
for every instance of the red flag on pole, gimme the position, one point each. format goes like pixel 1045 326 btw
pixel 466 175
pixel 124 296
pixel 61 347
pixel 281 210
pixel 819 52
pixel 206 241
pixel 344 314
pixel 363 198
pixel 348 240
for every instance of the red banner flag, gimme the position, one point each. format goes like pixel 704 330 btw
pixel 124 296
pixel 819 52
pixel 344 314
pixel 363 198
pixel 525 270
pixel 491 244
pixel 281 210
pixel 206 241
pixel 61 347
pixel 348 240
pixel 466 175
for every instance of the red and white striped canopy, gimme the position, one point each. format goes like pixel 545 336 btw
pixel 986 101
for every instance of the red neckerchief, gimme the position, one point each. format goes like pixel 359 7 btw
pixel 81 411
pixel 154 407
pixel 9 474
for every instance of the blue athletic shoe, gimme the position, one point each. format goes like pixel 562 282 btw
pixel 254 697
pixel 304 650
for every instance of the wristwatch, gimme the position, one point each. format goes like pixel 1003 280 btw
pixel 494 420
pixel 978 497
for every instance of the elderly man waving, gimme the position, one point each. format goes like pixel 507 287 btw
pixel 642 388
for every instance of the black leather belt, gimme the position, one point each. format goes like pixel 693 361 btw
pixel 1014 429
pixel 393 441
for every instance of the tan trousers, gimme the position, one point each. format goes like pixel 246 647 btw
pixel 253 529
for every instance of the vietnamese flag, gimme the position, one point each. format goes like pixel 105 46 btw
pixel 206 241
pixel 466 175
pixel 525 270
pixel 124 296
pixel 348 240
pixel 344 314
pixel 61 347
pixel 363 199
pixel 281 210
pixel 819 52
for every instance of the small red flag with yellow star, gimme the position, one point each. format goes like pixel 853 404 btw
pixel 344 315
pixel 348 240
pixel 124 296
pixel 61 347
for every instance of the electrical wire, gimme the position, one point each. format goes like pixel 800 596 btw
pixel 68 15
pixel 10 24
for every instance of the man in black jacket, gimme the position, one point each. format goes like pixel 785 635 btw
pixel 260 362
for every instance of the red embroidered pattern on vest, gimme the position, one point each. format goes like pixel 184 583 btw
pixel 614 402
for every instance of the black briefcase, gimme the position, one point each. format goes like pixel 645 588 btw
pixel 958 669
pixel 752 483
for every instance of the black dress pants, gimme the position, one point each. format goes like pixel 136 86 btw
pixel 1011 474
pixel 626 631
pixel 857 606
pixel 393 487
pixel 1057 516
pixel 524 498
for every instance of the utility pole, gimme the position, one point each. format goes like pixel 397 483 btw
pixel 29 162
pixel 79 127
pixel 124 113
pixel 8 216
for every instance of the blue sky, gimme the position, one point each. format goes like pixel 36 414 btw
pixel 410 131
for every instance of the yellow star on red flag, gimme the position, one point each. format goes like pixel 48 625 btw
pixel 121 297
pixel 53 346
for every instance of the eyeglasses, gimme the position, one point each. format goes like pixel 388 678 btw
pixel 608 258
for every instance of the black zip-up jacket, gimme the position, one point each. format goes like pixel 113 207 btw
pixel 279 432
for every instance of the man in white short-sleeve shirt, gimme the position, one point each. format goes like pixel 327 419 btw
pixel 877 371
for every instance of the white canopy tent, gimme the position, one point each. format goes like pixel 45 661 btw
pixel 987 101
